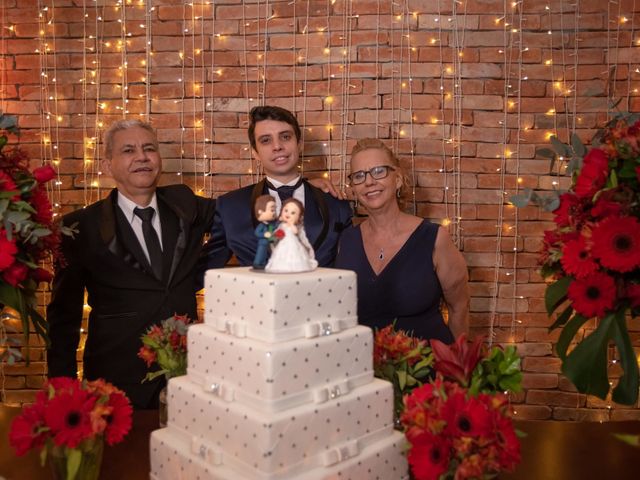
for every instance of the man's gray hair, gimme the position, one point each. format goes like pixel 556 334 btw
pixel 120 125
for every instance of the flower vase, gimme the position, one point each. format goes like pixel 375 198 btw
pixel 81 463
pixel 162 407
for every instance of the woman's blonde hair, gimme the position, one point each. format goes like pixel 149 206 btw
pixel 377 144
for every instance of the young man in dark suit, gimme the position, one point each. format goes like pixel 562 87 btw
pixel 274 134
pixel 135 254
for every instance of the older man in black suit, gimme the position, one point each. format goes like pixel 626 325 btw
pixel 135 254
pixel 274 134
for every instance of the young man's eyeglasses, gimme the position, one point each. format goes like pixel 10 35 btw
pixel 377 173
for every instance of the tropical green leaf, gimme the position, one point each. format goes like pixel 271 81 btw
pixel 556 293
pixel 568 332
pixel 626 392
pixel 562 318
pixel 586 365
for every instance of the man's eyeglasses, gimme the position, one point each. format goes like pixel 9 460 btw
pixel 377 173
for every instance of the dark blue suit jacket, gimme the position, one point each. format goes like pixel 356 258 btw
pixel 234 224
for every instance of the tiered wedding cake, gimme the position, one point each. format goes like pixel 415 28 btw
pixel 280 386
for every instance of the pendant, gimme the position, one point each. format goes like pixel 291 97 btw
pixel 381 254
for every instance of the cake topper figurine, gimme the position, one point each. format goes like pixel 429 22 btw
pixel 265 211
pixel 293 252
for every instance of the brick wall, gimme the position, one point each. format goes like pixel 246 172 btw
pixel 465 92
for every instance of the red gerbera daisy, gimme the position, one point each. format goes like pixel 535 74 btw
pixel 466 417
pixel 119 421
pixel 633 292
pixel 68 416
pixel 509 454
pixel 592 296
pixel 28 430
pixel 429 456
pixel 616 243
pixel 576 259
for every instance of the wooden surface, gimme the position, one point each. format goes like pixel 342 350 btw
pixel 551 450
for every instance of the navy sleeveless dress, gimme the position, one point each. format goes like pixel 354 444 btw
pixel 406 290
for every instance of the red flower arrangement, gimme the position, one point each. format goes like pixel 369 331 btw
pixel 592 256
pixel 72 416
pixel 455 435
pixel 28 235
pixel 166 345
pixel 403 360
pixel 459 425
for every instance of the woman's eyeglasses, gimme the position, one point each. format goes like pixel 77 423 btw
pixel 377 173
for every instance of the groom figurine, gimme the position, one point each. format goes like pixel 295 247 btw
pixel 275 137
pixel 265 211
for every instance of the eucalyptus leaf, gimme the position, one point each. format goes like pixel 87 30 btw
pixel 561 148
pixel 546 152
pixel 17 217
pixel 577 145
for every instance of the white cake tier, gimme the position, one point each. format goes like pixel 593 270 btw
pixel 275 376
pixel 252 442
pixel 178 456
pixel 276 307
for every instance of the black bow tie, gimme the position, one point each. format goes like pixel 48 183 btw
pixel 285 191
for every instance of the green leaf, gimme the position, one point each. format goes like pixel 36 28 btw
pixel 562 318
pixel 74 457
pixel 567 334
pixel 555 293
pixel 402 379
pixel 626 392
pixel 633 440
pixel 586 365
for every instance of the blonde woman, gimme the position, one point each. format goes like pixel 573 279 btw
pixel 405 264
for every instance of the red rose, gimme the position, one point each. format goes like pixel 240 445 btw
pixel 594 173
pixel 41 203
pixel 8 250
pixel 15 274
pixel 279 234
pixel 44 174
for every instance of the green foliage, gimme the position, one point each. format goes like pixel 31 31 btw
pixel 499 371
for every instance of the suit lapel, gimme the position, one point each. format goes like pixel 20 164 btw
pixel 179 218
pixel 312 217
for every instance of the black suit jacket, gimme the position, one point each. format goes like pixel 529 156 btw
pixel 125 297
pixel 234 223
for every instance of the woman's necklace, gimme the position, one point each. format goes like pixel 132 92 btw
pixel 381 254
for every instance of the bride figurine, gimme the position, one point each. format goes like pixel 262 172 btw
pixel 293 252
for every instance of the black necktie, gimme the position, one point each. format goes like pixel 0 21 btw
pixel 151 239
pixel 285 191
